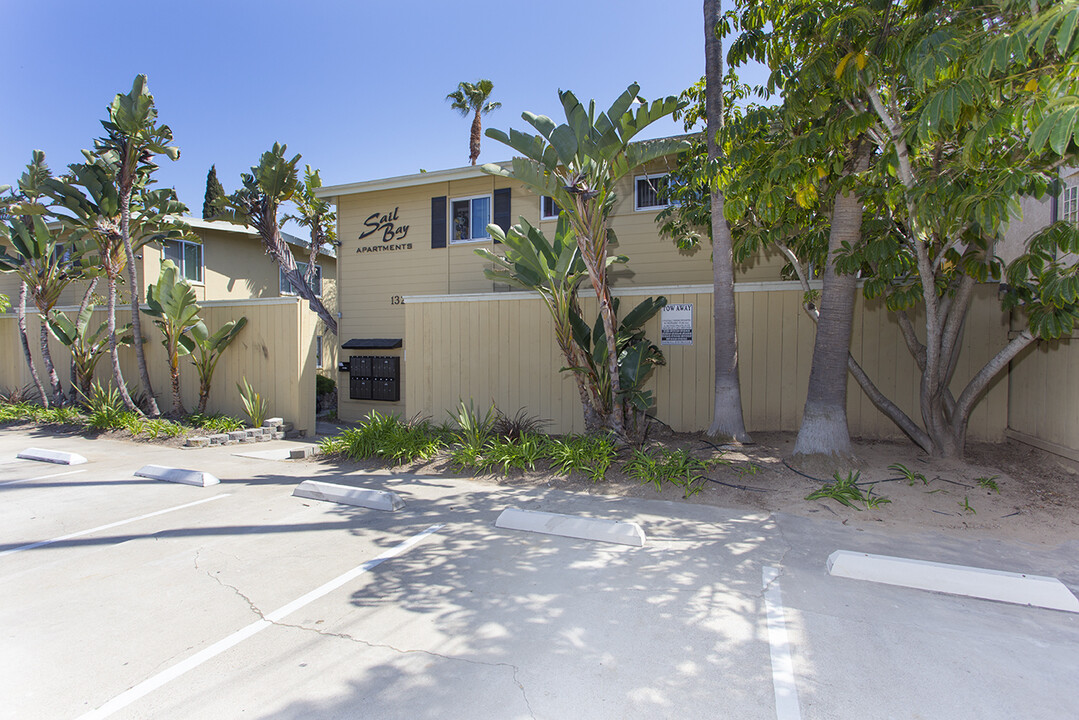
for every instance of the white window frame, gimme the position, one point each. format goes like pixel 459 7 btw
pixel 470 198
pixel 651 177
pixel 282 281
pixel 318 352
pixel 543 203
pixel 182 265
pixel 1069 203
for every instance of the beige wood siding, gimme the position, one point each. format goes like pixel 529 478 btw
pixel 275 352
pixel 502 350
pixel 1044 393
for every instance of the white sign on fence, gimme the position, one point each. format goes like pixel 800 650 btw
pixel 676 325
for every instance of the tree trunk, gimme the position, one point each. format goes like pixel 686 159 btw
pixel 114 354
pixel 276 248
pixel 824 435
pixel 727 421
pixel 80 384
pixel 474 139
pixel 174 373
pixel 136 324
pixel 46 359
pixel 20 313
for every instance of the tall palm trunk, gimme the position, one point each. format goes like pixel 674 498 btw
pixel 727 419
pixel 824 434
pixel 114 354
pixel 474 141
pixel 136 324
pixel 20 314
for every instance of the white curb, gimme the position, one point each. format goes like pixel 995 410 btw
pixel 177 475
pixel 1019 588
pixel 611 531
pixel 349 495
pixel 51 456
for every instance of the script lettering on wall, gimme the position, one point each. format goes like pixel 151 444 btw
pixel 392 231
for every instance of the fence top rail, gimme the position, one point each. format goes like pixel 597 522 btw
pixel 202 303
pixel 698 289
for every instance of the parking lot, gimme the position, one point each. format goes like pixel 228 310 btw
pixel 133 598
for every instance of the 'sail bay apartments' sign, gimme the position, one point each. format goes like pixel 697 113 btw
pixel 387 228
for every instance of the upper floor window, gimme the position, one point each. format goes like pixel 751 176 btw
pixel 549 209
pixel 188 258
pixel 469 218
pixel 650 192
pixel 287 288
pixel 1069 205
pixel 318 352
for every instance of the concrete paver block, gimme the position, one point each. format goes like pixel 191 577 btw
pixel 349 495
pixel 584 528
pixel 199 442
pixel 299 453
pixel 1010 587
pixel 219 439
pixel 273 422
pixel 177 475
pixel 57 457
pixel 237 435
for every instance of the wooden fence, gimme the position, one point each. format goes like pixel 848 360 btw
pixel 500 348
pixel 275 352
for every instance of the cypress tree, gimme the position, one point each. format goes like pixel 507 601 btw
pixel 213 191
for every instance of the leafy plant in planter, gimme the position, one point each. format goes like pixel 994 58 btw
pixel 87 348
pixel 173 304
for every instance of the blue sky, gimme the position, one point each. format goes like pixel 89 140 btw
pixel 358 88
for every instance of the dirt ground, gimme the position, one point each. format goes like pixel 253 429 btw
pixel 1037 502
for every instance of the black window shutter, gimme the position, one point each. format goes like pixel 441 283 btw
pixel 438 222
pixel 501 214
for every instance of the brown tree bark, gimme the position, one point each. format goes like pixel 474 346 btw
pixel 727 419
pixel 823 437
pixel 20 314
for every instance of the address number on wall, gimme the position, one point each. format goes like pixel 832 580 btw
pixel 396 300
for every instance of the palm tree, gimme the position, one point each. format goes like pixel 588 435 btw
pixel 472 98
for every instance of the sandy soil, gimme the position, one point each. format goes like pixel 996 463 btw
pixel 1037 500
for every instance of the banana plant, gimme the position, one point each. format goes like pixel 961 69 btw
pixel 578 164
pixel 174 305
pixel 208 350
pixel 555 270
pixel 636 358
pixel 91 198
pixel 46 266
pixel 87 348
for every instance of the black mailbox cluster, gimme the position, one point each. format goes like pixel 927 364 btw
pixel 374 377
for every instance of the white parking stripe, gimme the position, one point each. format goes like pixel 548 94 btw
pixel 782 666
pixel 41 477
pixel 149 685
pixel 118 523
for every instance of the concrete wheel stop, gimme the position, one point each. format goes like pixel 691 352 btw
pixel 349 495
pixel 999 585
pixel 177 475
pixel 57 457
pixel 582 528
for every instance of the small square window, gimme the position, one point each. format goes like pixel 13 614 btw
pixel 549 209
pixel 650 192
pixel 1070 204
pixel 287 287
pixel 188 258
pixel 469 218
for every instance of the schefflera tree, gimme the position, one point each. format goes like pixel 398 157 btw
pixel 578 164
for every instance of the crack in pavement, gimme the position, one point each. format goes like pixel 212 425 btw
pixel 780 564
pixel 345 636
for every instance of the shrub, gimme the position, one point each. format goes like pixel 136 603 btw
pixel 511 428
pixel 255 406
pixel 324 385
pixel 472 429
pixel 676 467
pixel 386 437
pixel 214 423
pixel 104 408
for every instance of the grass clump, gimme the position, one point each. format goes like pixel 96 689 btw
pixel 590 455
pixel 676 467
pixel 387 437
pixel 846 491
pixel 214 423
